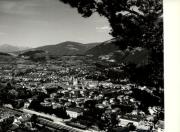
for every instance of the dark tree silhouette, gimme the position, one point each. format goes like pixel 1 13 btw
pixel 34 118
pixel 134 23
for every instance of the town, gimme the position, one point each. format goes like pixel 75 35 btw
pixel 73 94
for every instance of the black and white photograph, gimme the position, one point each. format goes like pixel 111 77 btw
pixel 82 66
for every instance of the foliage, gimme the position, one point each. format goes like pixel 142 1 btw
pixel 109 121
pixel 90 104
pixel 6 123
pixel 147 99
pixel 10 94
pixel 131 19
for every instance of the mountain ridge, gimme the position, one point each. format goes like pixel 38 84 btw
pixel 106 51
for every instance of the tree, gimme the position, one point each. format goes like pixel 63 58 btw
pixel 7 123
pixel 134 23
pixel 90 104
pixel 131 19
pixel 13 94
pixel 131 126
pixel 9 86
pixel 34 118
pixel 109 121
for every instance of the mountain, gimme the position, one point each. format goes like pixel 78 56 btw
pixel 109 51
pixel 67 48
pixel 10 48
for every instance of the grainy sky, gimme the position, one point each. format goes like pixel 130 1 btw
pixel 35 23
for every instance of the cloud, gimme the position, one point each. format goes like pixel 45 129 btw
pixel 20 7
pixel 103 29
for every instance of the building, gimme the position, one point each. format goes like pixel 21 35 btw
pixel 144 126
pixel 125 122
pixel 74 112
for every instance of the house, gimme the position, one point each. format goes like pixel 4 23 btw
pixel 74 112
pixel 144 126
pixel 124 121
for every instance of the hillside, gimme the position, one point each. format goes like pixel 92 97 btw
pixel 4 54
pixel 103 48
pixel 137 56
pixel 67 48
pixel 30 53
pixel 35 55
pixel 107 51
pixel 110 52
pixel 5 57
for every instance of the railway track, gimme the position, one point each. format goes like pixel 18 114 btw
pixel 49 122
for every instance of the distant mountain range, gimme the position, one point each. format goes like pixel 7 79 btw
pixel 7 48
pixel 106 51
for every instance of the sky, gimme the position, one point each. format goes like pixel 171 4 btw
pixel 33 23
